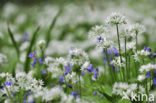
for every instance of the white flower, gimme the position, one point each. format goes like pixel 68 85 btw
pixel 104 43
pixel 117 62
pixel 136 29
pixel 131 46
pixel 41 43
pixel 147 67
pixel 116 18
pixel 98 31
pixel 141 78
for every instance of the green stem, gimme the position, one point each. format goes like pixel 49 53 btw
pixel 110 70
pixel 80 84
pixel 118 36
pixel 126 55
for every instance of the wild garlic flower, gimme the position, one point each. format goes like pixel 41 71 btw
pixel 77 56
pixel 140 54
pixel 54 94
pixel 136 29
pixel 41 43
pixel 122 88
pixel 117 62
pixel 116 18
pixel 141 78
pixel 98 31
pixel 147 67
pixel 104 43
pixel 73 78
pixel 131 46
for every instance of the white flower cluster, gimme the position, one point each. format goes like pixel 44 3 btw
pixel 22 81
pixel 136 29
pixel 104 43
pixel 141 53
pixel 116 18
pixel 77 56
pixel 117 62
pixel 131 46
pixel 125 88
pixel 98 31
pixel 73 78
pixel 55 94
pixel 147 67
pixel 141 78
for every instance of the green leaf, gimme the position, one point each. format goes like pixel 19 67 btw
pixel 27 61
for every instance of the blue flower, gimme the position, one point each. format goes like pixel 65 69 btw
pixel 99 38
pixel 154 71
pixel 95 92
pixel 8 83
pixel 96 73
pixel 33 64
pixel 116 53
pixel 75 94
pixel 101 96
pixel 40 61
pixel 82 73
pixel 31 55
pixel 69 86
pixel 44 72
pixel 154 80
pixel 148 75
pixel 147 49
pixel 67 69
pixel 61 79
pixel 90 68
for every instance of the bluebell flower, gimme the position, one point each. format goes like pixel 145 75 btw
pixel 115 52
pixel 69 86
pixel 44 72
pixel 99 38
pixel 108 52
pixel 24 101
pixel 96 73
pixel 148 75
pixel 8 83
pixel 75 94
pixel 90 68
pixel 61 79
pixel 147 49
pixel 113 67
pixel 82 73
pixel 67 69
pixel 101 96
pixel 13 95
pixel 31 55
pixel 33 64
pixel 154 71
pixel 3 87
pixel 40 61
pixel 95 92
pixel 154 80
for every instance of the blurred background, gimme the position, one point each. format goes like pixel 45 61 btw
pixel 73 20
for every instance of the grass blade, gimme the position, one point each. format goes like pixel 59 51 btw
pixel 32 42
pixel 48 35
pixel 13 41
